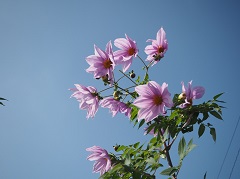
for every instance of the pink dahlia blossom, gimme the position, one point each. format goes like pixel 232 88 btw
pixel 128 50
pixel 102 160
pixel 87 97
pixel 102 63
pixel 115 106
pixel 158 48
pixel 189 93
pixel 152 100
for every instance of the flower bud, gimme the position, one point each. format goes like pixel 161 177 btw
pixel 116 147
pixel 116 94
pixel 182 96
pixel 132 75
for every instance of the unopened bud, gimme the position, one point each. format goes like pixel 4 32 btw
pixel 132 75
pixel 105 78
pixel 182 96
pixel 116 147
pixel 116 94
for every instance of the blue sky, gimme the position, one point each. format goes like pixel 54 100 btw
pixel 43 45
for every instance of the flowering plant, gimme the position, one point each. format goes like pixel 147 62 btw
pixel 145 103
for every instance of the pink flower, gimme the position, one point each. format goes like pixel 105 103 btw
pixel 158 48
pixel 152 100
pixel 102 163
pixel 189 93
pixel 102 63
pixel 128 51
pixel 115 106
pixel 87 97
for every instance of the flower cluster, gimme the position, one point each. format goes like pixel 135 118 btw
pixel 146 99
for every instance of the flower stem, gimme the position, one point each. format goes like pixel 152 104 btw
pixel 128 77
pixel 167 148
pixel 143 62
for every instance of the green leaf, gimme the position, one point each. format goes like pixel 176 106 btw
pixel 181 148
pixel 153 140
pixel 2 98
pixel 205 116
pixel 205 176
pixel 216 114
pixel 169 171
pixel 220 101
pixel 217 96
pixel 134 112
pixel 201 130
pixel 127 160
pixel 190 147
pixel 213 133
pixel 141 123
pixel 136 145
pixel 151 160
pixel 165 135
pixel 2 103
pixel 122 147
pixel 173 114
pixel 136 175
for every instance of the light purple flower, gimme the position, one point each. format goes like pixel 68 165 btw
pixel 158 48
pixel 87 97
pixel 115 106
pixel 102 63
pixel 102 160
pixel 189 93
pixel 152 100
pixel 128 50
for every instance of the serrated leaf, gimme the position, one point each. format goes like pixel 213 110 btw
pixel 165 135
pixel 153 140
pixel 213 133
pixel 134 112
pixel 127 160
pixel 216 114
pixel 169 171
pixel 181 148
pixel 220 101
pixel 136 145
pixel 217 96
pixel 201 130
pixel 141 123
pixel 190 147
pixel 173 114
pixel 205 116
pixel 122 147
pixel 205 176
pixel 151 160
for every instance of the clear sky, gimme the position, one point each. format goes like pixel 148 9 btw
pixel 43 45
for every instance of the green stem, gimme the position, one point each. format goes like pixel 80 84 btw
pixel 128 77
pixel 143 62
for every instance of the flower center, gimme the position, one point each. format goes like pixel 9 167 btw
pixel 131 51
pixel 157 100
pixel 160 49
pixel 107 63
